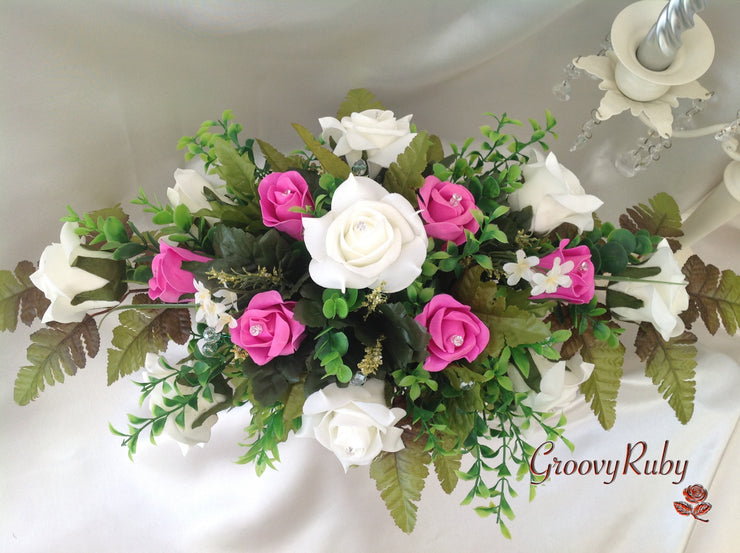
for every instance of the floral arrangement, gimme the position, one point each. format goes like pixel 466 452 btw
pixel 411 309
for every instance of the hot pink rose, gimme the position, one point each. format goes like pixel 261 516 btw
pixel 267 328
pixel 582 286
pixel 446 207
pixel 170 280
pixel 279 192
pixel 455 332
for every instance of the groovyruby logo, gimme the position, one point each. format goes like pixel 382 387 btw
pixel 695 495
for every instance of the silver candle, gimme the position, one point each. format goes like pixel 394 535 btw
pixel 658 49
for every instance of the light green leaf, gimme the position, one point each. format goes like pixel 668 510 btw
pixel 603 385
pixel 400 478
pixel 404 175
pixel 237 171
pixel 661 218
pixel 446 467
pixel 671 367
pixel 55 350
pixel 18 296
pixel 277 161
pixel 357 100
pixel 330 162
pixel 144 331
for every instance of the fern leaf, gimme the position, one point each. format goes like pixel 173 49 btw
pixel 358 99
pixel 661 218
pixel 602 387
pixel 330 162
pixel 446 467
pixel 277 161
pixel 671 367
pixel 404 175
pixel 143 331
pixel 18 296
pixel 55 350
pixel 712 301
pixel 400 478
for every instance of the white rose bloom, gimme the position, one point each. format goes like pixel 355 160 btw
pixel 353 422
pixel 558 385
pixel 188 190
pixel 370 237
pixel 662 303
pixel 556 196
pixel 188 436
pixel 61 282
pixel 374 131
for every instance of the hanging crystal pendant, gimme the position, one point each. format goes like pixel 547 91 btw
pixel 639 159
pixel 585 135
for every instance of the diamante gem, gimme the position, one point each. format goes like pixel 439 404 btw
pixel 455 199
pixel 208 348
pixel 349 450
pixel 360 226
pixel 358 379
pixel 457 340
pixel 584 266
pixel 210 335
pixel 359 168
pixel 255 329
pixel 466 385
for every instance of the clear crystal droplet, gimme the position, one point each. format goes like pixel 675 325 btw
pixel 466 385
pixel 349 450
pixel 358 379
pixel 455 199
pixel 583 266
pixel 208 348
pixel 561 91
pixel 210 335
pixel 457 340
pixel 255 329
pixel 359 168
pixel 360 226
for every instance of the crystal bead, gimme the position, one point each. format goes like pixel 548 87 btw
pixel 455 199
pixel 360 225
pixel 208 348
pixel 359 168
pixel 561 91
pixel 579 142
pixel 210 335
pixel 457 340
pixel 583 267
pixel 466 385
pixel 255 329
pixel 349 450
pixel 358 379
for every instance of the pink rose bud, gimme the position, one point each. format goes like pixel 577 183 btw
pixel 170 280
pixel 582 286
pixel 267 328
pixel 446 207
pixel 279 192
pixel 455 331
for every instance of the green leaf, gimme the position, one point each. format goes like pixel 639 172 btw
pixel 143 331
pixel 357 100
pixel 400 478
pixel 109 269
pixel 55 350
pixel 404 176
pixel 661 218
pixel 671 367
pixel 713 301
pixel 128 250
pixel 277 161
pixel 18 296
pixel 446 467
pixel 182 217
pixel 331 163
pixel 603 385
pixel 237 171
pixel 114 230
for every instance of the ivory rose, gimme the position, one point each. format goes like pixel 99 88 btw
pixel 374 131
pixel 447 210
pixel 169 280
pixel 370 237
pixel 188 190
pixel 555 195
pixel 662 303
pixel 61 281
pixel 558 385
pixel 279 192
pixel 267 328
pixel 186 436
pixel 456 333
pixel 353 422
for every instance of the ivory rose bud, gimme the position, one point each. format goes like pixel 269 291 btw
pixel 279 192
pixel 558 385
pixel 447 209
pixel 582 287
pixel 186 436
pixel 267 328
pixel 353 422
pixel 662 303
pixel 169 280
pixel 555 195
pixel 61 281
pixel 188 190
pixel 370 237
pixel 374 131
pixel 456 333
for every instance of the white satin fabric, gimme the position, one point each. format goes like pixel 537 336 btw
pixel 93 101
